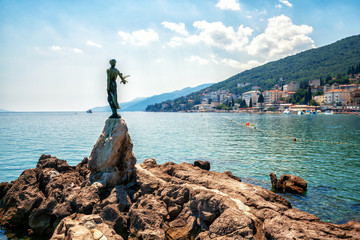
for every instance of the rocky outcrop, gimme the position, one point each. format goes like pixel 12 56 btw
pixel 81 227
pixel 202 164
pixel 112 161
pixel 168 201
pixel 4 187
pixel 288 183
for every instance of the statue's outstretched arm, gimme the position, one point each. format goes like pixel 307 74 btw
pixel 123 78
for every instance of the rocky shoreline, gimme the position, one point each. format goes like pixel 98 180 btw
pixel 168 201
pixel 108 196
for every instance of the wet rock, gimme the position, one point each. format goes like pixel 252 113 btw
pixel 288 183
pixel 202 164
pixel 81 227
pixel 112 161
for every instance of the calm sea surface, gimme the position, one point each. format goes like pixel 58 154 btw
pixel 331 170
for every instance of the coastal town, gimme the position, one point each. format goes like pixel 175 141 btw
pixel 292 98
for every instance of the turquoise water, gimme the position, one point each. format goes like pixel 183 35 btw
pixel 331 170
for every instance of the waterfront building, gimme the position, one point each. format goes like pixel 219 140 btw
pixel 337 96
pixel 320 99
pixel 350 87
pixel 287 95
pixel 214 104
pixel 253 95
pixel 272 96
pixel 291 87
pixel 356 97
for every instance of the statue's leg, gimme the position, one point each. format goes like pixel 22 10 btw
pixel 113 107
pixel 116 101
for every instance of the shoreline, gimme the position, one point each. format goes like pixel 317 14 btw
pixel 170 199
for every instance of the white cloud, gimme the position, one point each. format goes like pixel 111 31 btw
pixel 278 6
pixel 76 50
pixel 93 44
pixel 228 5
pixel 286 2
pixel 55 48
pixel 216 34
pixel 139 38
pixel 176 27
pixel 281 38
pixel 65 49
pixel 197 59
pixel 224 61
pixel 240 66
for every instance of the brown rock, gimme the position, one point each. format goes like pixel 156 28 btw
pixel 202 164
pixel 41 197
pixel 4 187
pixel 84 227
pixel 168 201
pixel 112 161
pixel 288 183
pixel 229 174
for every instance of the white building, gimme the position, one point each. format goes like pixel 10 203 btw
pixel 253 95
pixel 272 96
pixel 337 96
pixel 291 87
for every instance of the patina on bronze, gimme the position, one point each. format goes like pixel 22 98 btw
pixel 112 74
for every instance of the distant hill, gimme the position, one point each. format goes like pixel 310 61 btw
pixel 317 63
pixel 3 110
pixel 311 64
pixel 140 104
pixel 123 105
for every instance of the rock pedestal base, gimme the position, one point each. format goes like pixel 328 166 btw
pixel 112 161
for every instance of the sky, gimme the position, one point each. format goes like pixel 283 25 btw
pixel 54 54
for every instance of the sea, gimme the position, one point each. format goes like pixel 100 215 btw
pixel 326 152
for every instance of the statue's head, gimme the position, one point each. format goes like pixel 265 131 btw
pixel 112 62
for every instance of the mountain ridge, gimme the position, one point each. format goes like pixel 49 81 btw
pixel 140 104
pixel 315 63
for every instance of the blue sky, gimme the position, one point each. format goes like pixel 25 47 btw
pixel 54 54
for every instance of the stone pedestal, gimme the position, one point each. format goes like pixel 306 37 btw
pixel 112 161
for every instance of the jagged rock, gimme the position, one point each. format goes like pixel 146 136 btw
pixel 41 197
pixel 4 187
pixel 112 161
pixel 228 173
pixel 168 201
pixel 288 183
pixel 202 164
pixel 81 227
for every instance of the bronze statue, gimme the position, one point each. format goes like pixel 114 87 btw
pixel 112 74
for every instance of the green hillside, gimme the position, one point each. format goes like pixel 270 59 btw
pixel 318 63
pixel 311 64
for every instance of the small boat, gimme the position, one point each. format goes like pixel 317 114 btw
pixel 328 112
pixel 286 111
pixel 300 112
pixel 89 111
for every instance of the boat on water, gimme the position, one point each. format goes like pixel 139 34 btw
pixel 300 112
pixel 328 112
pixel 286 111
pixel 311 112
